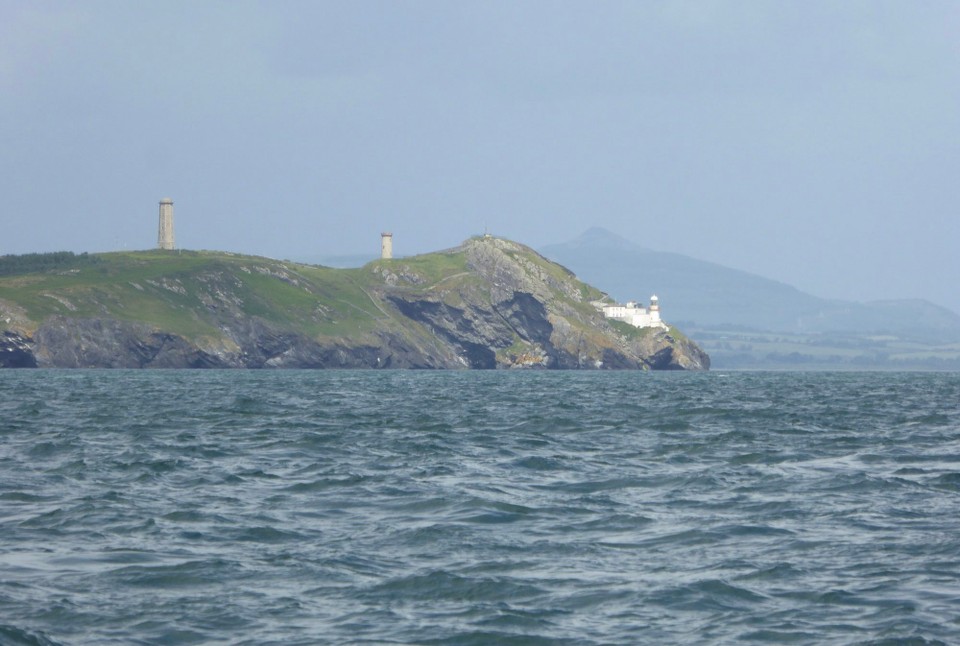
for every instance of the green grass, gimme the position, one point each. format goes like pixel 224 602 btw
pixel 146 285
pixel 630 331
pixel 431 268
pixel 196 293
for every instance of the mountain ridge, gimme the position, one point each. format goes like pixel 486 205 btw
pixel 750 322
pixel 698 292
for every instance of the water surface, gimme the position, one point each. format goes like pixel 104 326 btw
pixel 242 507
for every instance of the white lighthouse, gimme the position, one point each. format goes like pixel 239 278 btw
pixel 654 312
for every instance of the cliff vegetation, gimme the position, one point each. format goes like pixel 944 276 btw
pixel 489 303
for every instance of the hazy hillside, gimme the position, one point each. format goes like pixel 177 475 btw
pixel 746 321
pixel 706 294
pixel 349 261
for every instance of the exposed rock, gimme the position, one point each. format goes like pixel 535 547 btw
pixel 663 350
pixel 516 306
pixel 106 343
pixel 490 303
pixel 16 351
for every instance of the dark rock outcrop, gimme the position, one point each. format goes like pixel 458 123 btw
pixel 16 351
pixel 490 303
pixel 528 312
pixel 106 343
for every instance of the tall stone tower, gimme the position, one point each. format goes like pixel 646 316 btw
pixel 386 245
pixel 165 232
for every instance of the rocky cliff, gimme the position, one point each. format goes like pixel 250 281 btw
pixel 490 303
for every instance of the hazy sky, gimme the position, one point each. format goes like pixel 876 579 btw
pixel 817 143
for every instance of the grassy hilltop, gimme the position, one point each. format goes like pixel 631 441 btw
pixel 183 292
pixel 488 303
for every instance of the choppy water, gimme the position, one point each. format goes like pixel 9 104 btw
pixel 476 507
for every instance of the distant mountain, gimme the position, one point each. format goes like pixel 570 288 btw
pixel 339 262
pixel 703 294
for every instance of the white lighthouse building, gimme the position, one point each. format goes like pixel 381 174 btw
pixel 635 314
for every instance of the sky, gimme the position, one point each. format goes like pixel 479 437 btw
pixel 815 143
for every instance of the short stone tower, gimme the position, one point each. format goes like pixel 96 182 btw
pixel 165 232
pixel 386 245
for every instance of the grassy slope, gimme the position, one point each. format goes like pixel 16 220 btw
pixel 187 292
pixel 210 297
pixel 194 294
pixel 541 268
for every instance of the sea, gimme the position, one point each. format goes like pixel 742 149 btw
pixel 503 507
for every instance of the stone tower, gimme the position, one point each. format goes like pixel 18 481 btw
pixel 386 245
pixel 165 232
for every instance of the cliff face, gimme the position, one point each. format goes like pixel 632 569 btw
pixel 490 303
pixel 513 308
